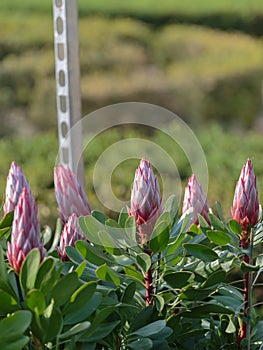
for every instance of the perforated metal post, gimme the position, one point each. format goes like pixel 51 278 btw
pixel 68 84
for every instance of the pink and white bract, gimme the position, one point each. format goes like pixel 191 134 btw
pixel 25 231
pixel 146 201
pixel 70 234
pixel 16 181
pixel 195 201
pixel 245 208
pixel 70 195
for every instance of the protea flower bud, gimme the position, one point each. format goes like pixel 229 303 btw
pixel 25 231
pixel 16 181
pixel 245 208
pixel 70 195
pixel 145 199
pixel 195 201
pixel 70 234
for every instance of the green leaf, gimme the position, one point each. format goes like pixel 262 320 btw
pixel 216 223
pixel 215 278
pixel 109 242
pixel 196 294
pixel 12 329
pixel 7 220
pixel 80 297
pixel 74 255
pixel 52 322
pixel 64 289
pixel 105 273
pixel 159 302
pixel 93 254
pixel 81 268
pixel 129 292
pixel 218 237
pixel 202 222
pixel 231 328
pixel 171 206
pixel 130 229
pixel 7 303
pixel 150 329
pixel 102 218
pixel 123 217
pixel 134 274
pixel 248 268
pixel 180 279
pixel 80 327
pixel 35 301
pixel 4 280
pixel 201 252
pixel 206 310
pixel 90 227
pixel 99 333
pixel 85 311
pixel 144 261
pixel 141 344
pixel 160 237
pixel 56 236
pixel 142 318
pixel 173 246
pixel 29 269
pixel 47 275
pixel 235 227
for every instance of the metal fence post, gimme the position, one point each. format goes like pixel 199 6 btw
pixel 67 69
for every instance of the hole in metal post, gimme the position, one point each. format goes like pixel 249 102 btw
pixel 61 54
pixel 63 103
pixel 65 155
pixel 61 78
pixel 58 3
pixel 59 25
pixel 64 129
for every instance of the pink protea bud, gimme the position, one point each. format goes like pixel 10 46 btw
pixel 195 201
pixel 25 231
pixel 146 202
pixel 70 195
pixel 70 234
pixel 245 208
pixel 16 181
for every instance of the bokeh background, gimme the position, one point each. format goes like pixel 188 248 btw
pixel 201 59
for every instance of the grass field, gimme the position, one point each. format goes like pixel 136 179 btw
pixel 151 7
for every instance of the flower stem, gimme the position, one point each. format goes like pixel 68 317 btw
pixel 148 279
pixel 244 332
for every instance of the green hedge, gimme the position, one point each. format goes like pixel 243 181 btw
pixel 240 15
pixel 199 73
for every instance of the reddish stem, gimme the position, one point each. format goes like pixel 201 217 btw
pixel 245 243
pixel 148 278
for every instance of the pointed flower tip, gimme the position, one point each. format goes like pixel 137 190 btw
pixel 195 201
pixel 145 197
pixel 70 195
pixel 245 209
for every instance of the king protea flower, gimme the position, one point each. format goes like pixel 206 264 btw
pixel 245 208
pixel 25 231
pixel 195 201
pixel 16 181
pixel 146 201
pixel 70 234
pixel 70 195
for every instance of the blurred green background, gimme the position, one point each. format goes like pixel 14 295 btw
pixel 201 60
